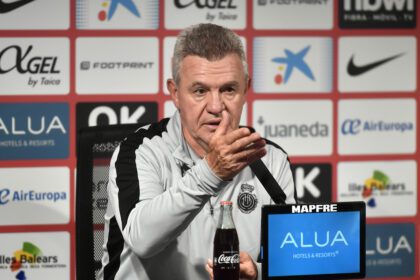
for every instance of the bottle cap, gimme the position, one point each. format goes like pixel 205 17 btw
pixel 226 202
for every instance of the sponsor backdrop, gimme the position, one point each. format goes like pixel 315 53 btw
pixel 335 83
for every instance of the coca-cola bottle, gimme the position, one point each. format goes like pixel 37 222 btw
pixel 226 246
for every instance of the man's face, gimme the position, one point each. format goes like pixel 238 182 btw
pixel 206 88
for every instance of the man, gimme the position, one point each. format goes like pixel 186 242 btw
pixel 167 179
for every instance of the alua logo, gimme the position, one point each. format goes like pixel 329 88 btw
pixel 247 200
pixel 25 64
pixel 205 4
pixel 376 5
pixel 390 246
pixel 22 126
pixel 302 240
pixel 315 129
pixel 355 126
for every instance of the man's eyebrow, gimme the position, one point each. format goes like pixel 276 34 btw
pixel 230 84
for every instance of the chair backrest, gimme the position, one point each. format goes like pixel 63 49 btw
pixel 94 150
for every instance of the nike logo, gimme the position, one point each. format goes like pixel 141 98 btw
pixel 356 70
pixel 8 7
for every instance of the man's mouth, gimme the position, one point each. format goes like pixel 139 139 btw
pixel 213 124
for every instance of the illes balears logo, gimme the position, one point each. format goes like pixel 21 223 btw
pixel 29 257
pixel 8 7
pixel 379 183
pixel 291 61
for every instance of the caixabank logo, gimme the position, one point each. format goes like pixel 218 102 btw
pixel 377 13
pixel 292 64
pixel 390 250
pixel 117 14
pixel 182 13
pixel 34 131
pixel 313 182
pixel 34 196
pixel 35 65
pixel 380 184
pixel 377 126
pixel 306 134
pixel 28 256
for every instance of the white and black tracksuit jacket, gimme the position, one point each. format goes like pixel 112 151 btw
pixel 163 206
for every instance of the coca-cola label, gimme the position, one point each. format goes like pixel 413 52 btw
pixel 227 258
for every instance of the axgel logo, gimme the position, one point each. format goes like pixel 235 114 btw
pixel 377 13
pixel 313 182
pixel 390 250
pixel 227 10
pixel 209 4
pixel 34 130
pixel 24 62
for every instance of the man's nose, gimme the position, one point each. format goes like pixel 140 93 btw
pixel 215 104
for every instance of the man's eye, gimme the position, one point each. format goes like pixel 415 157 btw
pixel 200 91
pixel 229 90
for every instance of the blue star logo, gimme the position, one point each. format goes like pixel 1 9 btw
pixel 292 61
pixel 128 4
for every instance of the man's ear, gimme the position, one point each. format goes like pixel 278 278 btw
pixel 173 91
pixel 248 85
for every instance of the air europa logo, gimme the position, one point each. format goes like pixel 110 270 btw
pixel 356 126
pixel 6 196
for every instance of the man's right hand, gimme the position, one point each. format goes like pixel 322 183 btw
pixel 230 151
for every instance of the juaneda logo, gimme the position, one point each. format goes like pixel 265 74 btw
pixel 377 13
pixel 313 182
pixel 390 250
pixel 34 130
pixel 312 130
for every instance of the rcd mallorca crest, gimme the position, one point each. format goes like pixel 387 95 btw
pixel 247 200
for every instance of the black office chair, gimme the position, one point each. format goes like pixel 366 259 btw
pixel 94 150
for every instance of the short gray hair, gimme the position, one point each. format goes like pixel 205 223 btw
pixel 209 41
